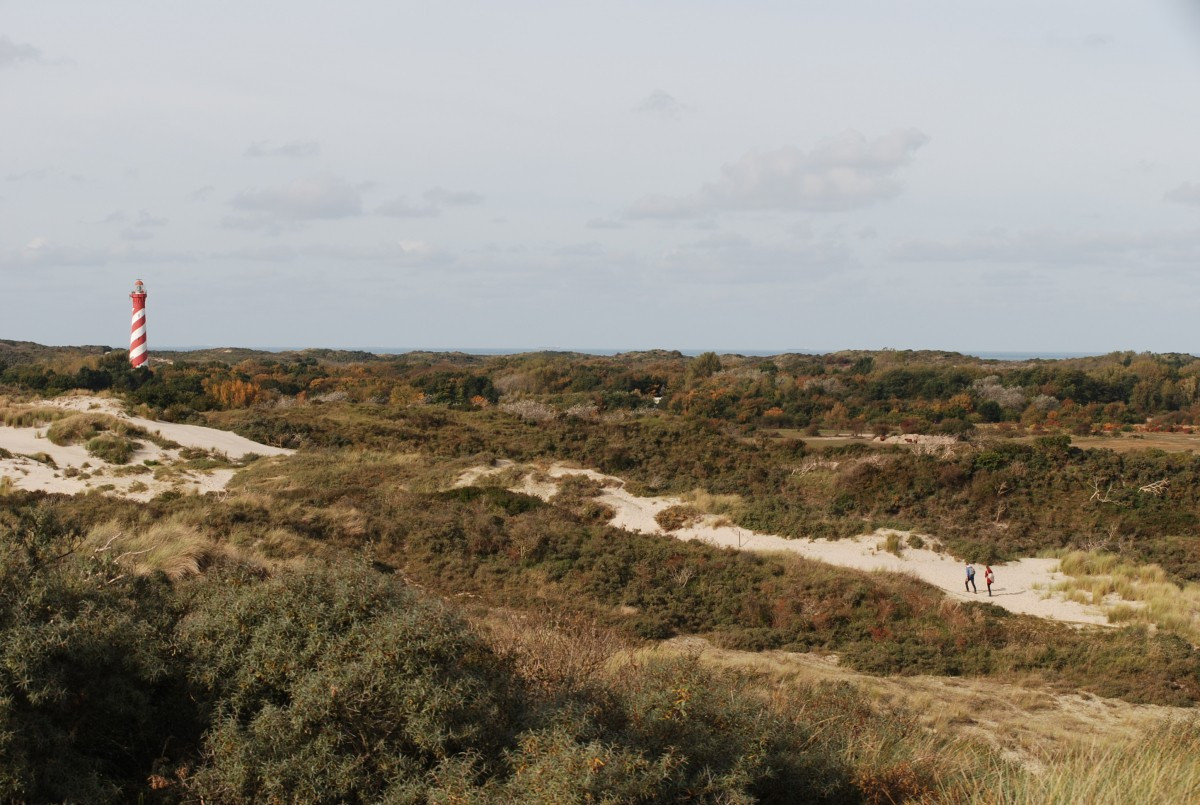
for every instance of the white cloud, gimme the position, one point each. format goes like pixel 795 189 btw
pixel 605 223
pixel 400 208
pixel 452 198
pixel 731 258
pixel 13 53
pixel 315 198
pixel 843 172
pixel 296 149
pixel 590 249
pixel 1047 247
pixel 661 104
pixel 1186 193
pixel 435 199
pixel 20 176
pixel 201 193
pixel 42 252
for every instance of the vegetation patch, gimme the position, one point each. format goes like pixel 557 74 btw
pixel 674 518
pixel 112 448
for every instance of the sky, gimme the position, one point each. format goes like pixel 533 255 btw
pixel 677 174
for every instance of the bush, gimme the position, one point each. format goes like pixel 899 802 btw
pixel 674 518
pixel 111 448
pixel 336 685
pixel 89 690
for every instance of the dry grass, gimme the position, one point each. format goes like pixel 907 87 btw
pixel 552 651
pixel 1162 765
pixel 22 416
pixel 1151 598
pixel 728 505
pixel 170 546
pixel 1019 719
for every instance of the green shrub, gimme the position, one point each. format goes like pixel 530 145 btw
pixel 111 448
pixel 89 689
pixel 336 685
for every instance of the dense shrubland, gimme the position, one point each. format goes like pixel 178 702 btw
pixel 309 635
pixel 341 683
pixel 848 391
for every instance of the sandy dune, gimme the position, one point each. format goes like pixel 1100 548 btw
pixel 74 470
pixel 1021 586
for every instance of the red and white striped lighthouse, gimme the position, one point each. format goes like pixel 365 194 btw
pixel 137 330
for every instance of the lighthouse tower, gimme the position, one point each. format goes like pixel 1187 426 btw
pixel 137 331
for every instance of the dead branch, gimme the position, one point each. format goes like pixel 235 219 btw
pixel 132 553
pixel 1106 497
pixel 1157 488
pixel 683 575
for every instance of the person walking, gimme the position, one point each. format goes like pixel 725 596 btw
pixel 988 578
pixel 971 577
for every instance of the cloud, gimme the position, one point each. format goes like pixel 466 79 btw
pixel 43 252
pixel 590 249
pixel 400 208
pixel 1186 193
pixel 605 223
pixel 731 258
pixel 435 199
pixel 661 104
pixel 316 198
pixel 403 253
pixel 1052 247
pixel 397 252
pixel 841 173
pixel 20 176
pixel 201 193
pixel 14 54
pixel 267 224
pixel 296 149
pixel 140 226
pixel 452 198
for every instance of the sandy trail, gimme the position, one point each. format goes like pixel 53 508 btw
pixel 1021 586
pixel 75 471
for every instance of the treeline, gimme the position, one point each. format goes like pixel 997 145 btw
pixel 927 392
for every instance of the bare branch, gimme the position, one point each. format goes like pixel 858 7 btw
pixel 1157 488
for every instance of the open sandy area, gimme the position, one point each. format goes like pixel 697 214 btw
pixel 74 470
pixel 1022 586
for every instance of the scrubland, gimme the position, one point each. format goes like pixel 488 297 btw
pixel 347 624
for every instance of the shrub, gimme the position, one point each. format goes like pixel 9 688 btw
pixel 673 518
pixel 89 690
pixel 111 448
pixel 336 685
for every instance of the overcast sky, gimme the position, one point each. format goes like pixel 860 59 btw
pixel 756 175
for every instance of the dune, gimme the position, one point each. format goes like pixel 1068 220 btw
pixel 70 469
pixel 1022 586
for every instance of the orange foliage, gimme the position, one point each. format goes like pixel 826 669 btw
pixel 233 393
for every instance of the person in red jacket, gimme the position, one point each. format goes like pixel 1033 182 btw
pixel 988 577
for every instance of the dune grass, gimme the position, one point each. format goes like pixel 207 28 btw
pixel 1162 765
pixel 171 546
pixel 1148 595
pixel 20 416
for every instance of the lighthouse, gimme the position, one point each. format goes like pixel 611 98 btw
pixel 137 331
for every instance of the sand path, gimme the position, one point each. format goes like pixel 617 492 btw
pixel 1021 586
